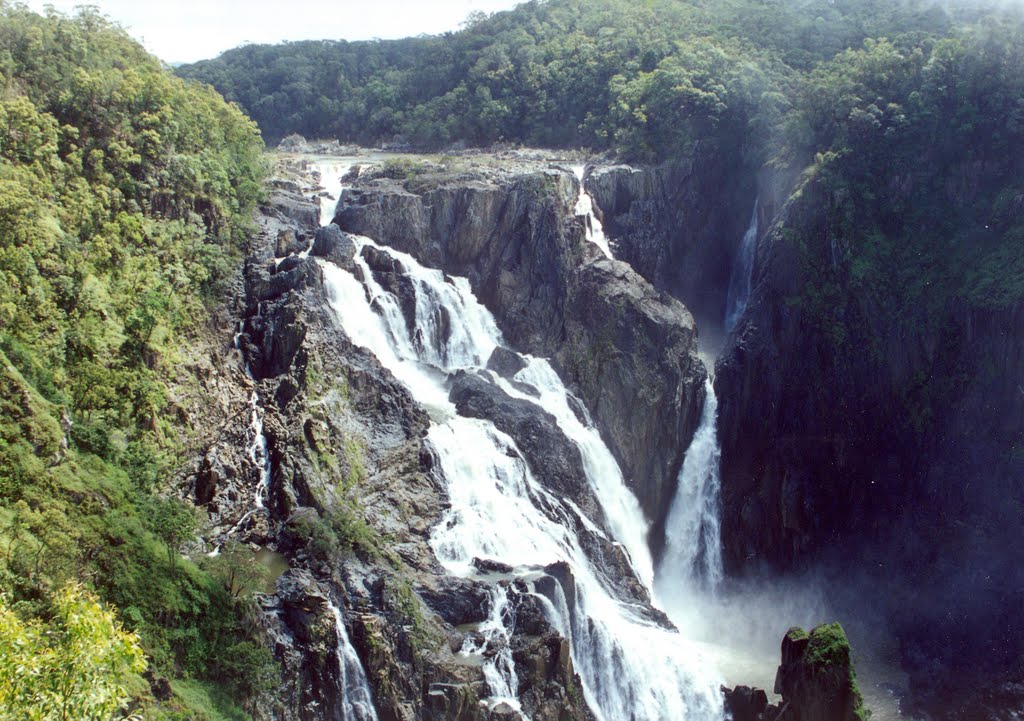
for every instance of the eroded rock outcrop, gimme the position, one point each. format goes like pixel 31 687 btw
pixel 351 504
pixel 626 350
pixel 816 680
pixel 679 224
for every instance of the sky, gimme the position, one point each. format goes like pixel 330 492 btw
pixel 179 31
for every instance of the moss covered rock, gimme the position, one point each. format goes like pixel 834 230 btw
pixel 816 677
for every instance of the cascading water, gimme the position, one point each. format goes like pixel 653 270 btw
pixel 693 549
pixel 631 667
pixel 331 172
pixel 742 269
pixel 357 702
pixel 257 449
pixel 585 208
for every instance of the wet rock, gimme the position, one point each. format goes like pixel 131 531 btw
pixel 506 363
pixel 458 601
pixel 485 565
pixel 459 702
pixel 816 678
pixel 512 234
pixel 555 459
pixel 679 224
pixel 632 353
pixel 333 245
pixel 299 621
pixel 504 712
pixel 745 703
pixel 290 263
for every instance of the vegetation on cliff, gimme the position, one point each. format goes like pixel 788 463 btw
pixel 125 197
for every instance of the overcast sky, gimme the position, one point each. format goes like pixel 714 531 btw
pixel 189 30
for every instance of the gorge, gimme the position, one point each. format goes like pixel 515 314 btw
pixel 645 337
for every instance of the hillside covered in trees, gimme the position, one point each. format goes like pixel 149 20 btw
pixel 126 199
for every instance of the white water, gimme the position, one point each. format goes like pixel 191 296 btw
pixel 331 172
pixel 257 449
pixel 357 702
pixel 693 549
pixel 585 208
pixel 742 269
pixel 631 669
pixel 499 671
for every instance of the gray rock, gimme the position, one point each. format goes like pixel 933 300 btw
pixel 621 348
pixel 333 245
pixel 506 363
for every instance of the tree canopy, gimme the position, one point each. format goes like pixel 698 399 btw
pixel 126 199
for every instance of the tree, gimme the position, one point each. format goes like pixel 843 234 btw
pixel 239 570
pixel 70 669
pixel 174 523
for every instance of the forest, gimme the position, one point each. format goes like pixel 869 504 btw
pixel 126 200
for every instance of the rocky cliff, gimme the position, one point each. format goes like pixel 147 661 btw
pixel 628 351
pixel 354 492
pixel 678 224
pixel 875 424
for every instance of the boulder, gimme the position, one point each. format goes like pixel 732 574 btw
pixel 332 244
pixel 745 703
pixel 506 363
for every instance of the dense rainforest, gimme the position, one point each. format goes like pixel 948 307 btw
pixel 126 197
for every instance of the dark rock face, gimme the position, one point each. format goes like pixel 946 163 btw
pixel 294 206
pixel 679 224
pixel 333 245
pixel 631 353
pixel 507 237
pixel 302 630
pixel 613 337
pixel 816 678
pixel 882 443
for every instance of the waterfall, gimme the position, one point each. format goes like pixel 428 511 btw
pixel 693 551
pixel 500 669
pixel 632 669
pixel 585 208
pixel 742 269
pixel 257 449
pixel 357 702
pixel 331 172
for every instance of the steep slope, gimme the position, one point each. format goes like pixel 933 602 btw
pixel 127 199
pixel 870 412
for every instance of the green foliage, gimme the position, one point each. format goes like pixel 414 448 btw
pixel 174 523
pixel 238 570
pixel 72 668
pixel 828 653
pixel 646 79
pixel 125 197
